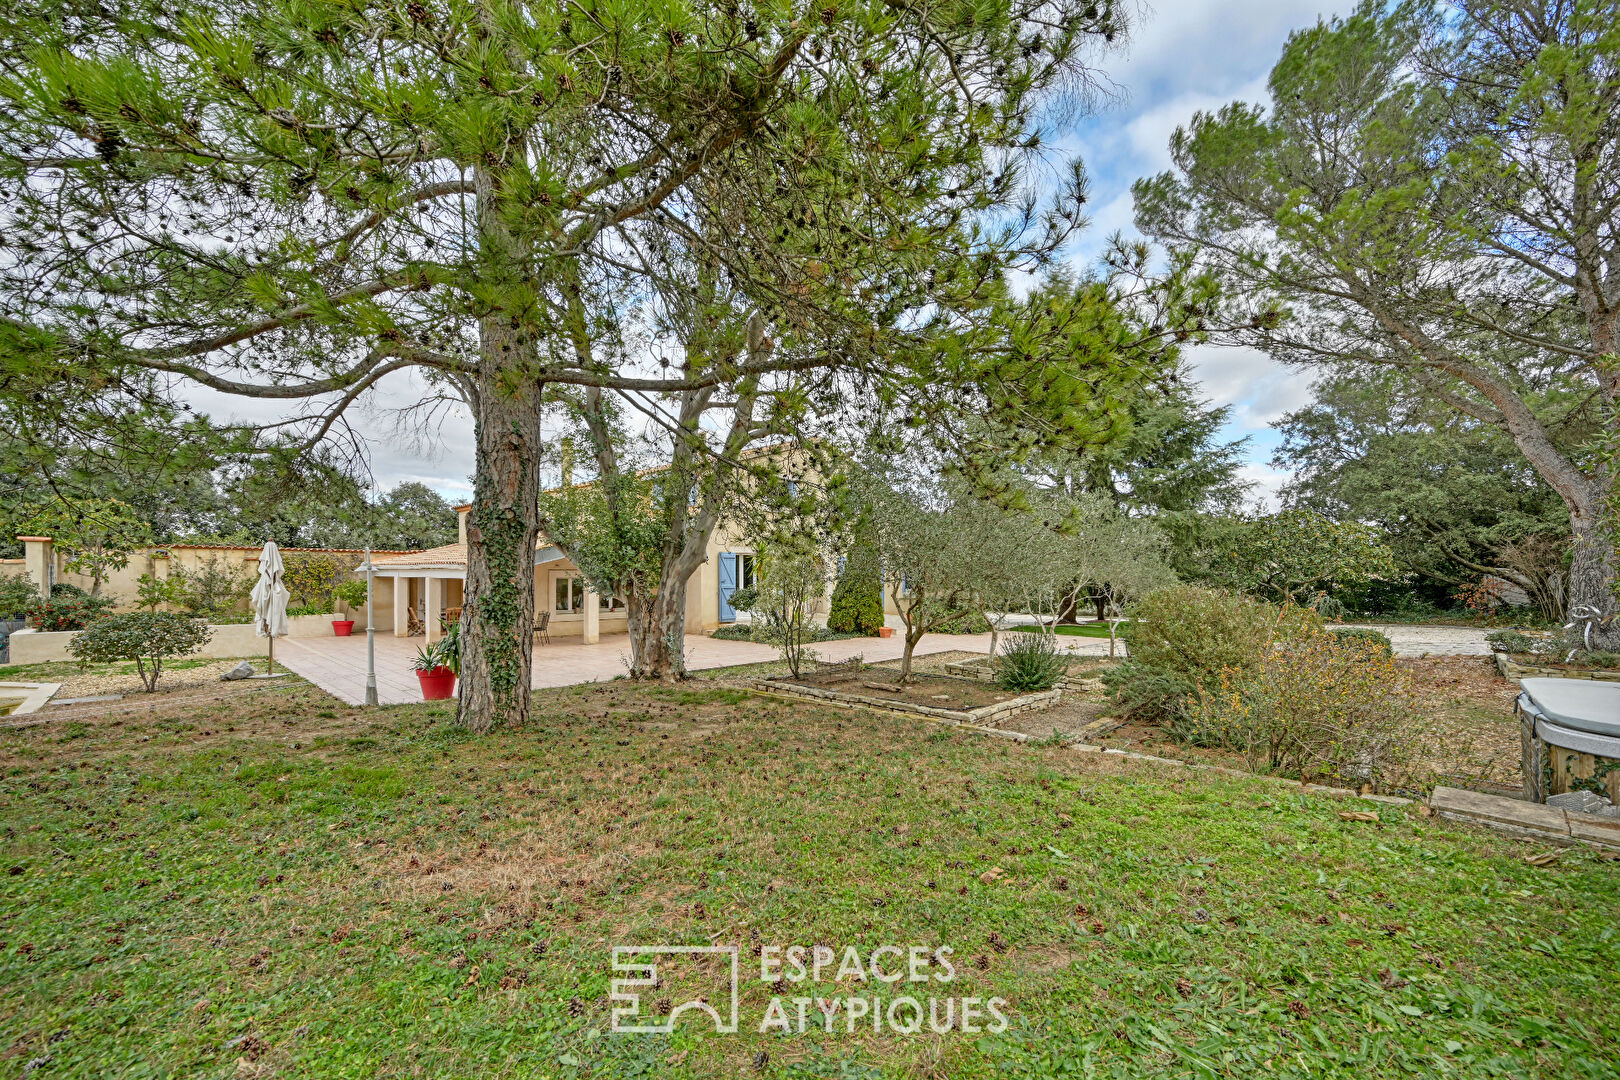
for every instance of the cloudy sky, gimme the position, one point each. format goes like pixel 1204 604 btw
pixel 1183 55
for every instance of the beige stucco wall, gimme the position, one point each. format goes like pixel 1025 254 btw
pixel 228 641
pixel 124 585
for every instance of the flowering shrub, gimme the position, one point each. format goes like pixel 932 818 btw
pixel 67 610
pixel 1320 705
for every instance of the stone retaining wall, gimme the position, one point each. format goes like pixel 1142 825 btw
pixel 228 640
pixel 1516 671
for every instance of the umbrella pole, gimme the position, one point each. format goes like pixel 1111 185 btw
pixel 271 668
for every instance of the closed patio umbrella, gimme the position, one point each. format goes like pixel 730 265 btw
pixel 270 598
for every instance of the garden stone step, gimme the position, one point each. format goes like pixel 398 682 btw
pixel 1518 818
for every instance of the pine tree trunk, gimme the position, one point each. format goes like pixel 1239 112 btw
pixel 1592 572
pixel 497 651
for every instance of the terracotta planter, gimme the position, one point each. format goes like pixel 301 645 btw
pixel 438 684
pixel 342 627
pixel 885 631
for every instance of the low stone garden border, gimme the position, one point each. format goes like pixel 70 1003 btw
pixel 1511 669
pixel 984 716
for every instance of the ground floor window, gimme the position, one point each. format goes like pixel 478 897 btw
pixel 568 596
pixel 746 570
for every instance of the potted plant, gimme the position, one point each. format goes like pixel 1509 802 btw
pixel 438 679
pixel 353 594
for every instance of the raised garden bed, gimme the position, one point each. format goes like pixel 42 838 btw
pixel 1534 667
pixel 963 701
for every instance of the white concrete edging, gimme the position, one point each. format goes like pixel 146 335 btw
pixel 34 695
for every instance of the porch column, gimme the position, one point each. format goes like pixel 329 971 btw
pixel 433 603
pixel 38 557
pixel 592 631
pixel 402 606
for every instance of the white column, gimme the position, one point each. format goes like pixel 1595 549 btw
pixel 433 602
pixel 38 557
pixel 402 604
pixel 592 631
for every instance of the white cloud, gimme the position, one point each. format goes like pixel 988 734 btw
pixel 1266 483
pixel 1259 389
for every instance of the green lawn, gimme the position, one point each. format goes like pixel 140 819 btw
pixel 1075 630
pixel 289 887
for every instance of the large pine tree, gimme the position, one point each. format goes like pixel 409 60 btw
pixel 291 199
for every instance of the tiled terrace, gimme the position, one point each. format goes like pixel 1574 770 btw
pixel 338 665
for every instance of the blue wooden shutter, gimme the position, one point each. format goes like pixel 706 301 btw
pixel 728 585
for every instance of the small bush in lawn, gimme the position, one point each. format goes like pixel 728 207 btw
pixel 1372 638
pixel 146 637
pixel 1029 662
pixel 1183 638
pixel 1322 704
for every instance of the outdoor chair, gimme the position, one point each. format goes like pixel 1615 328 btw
pixel 542 626
pixel 451 615
pixel 413 623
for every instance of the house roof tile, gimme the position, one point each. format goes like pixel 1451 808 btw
pixel 448 555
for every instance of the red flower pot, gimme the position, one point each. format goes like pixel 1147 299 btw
pixel 438 684
pixel 885 631
pixel 342 627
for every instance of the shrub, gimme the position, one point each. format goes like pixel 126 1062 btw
pixel 1320 705
pixel 1030 662
pixel 857 599
pixel 1512 641
pixel 306 609
pixel 312 577
pixel 146 637
pixel 153 592
pixel 1183 638
pixel 69 608
pixel 963 622
pixel 17 595
pixel 213 589
pixel 1372 638
pixel 353 594
pixel 1150 694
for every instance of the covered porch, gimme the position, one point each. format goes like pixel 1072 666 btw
pixel 418 593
